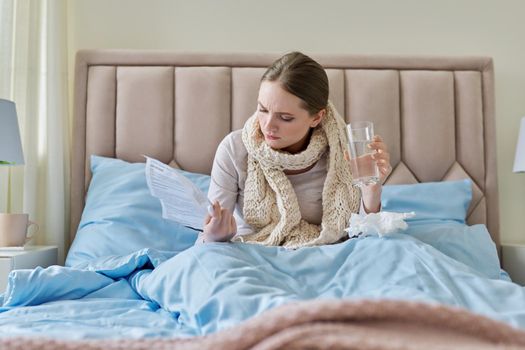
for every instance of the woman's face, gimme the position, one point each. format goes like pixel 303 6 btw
pixel 283 122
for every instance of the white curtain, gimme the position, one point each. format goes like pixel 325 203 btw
pixel 33 74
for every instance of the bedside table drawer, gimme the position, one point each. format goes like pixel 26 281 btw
pixel 28 258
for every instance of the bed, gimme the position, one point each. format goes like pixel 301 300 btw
pixel 134 280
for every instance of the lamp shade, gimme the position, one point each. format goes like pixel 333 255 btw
pixel 10 145
pixel 519 161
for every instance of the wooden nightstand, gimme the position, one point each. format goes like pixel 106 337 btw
pixel 513 261
pixel 27 258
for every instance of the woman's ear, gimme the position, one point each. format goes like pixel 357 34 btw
pixel 318 118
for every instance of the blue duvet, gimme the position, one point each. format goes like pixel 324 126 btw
pixel 211 287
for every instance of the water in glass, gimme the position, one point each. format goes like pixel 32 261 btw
pixel 363 166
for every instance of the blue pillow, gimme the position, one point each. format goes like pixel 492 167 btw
pixel 446 200
pixel 121 217
pixel 471 245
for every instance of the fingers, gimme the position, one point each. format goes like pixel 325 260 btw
pixel 382 163
pixel 381 150
pixel 220 226
pixel 214 213
pixel 221 223
pixel 377 145
pixel 233 225
pixel 214 217
pixel 385 170
pixel 221 215
pixel 384 167
pixel 381 155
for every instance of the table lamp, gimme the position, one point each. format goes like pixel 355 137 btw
pixel 10 154
pixel 10 144
pixel 519 161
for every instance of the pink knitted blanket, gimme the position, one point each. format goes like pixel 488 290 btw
pixel 330 324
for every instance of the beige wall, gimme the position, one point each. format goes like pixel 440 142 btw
pixel 432 27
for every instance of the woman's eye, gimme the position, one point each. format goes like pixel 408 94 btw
pixel 287 119
pixel 262 110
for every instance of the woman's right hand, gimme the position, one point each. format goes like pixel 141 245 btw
pixel 220 226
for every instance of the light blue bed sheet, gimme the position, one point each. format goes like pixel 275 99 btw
pixel 93 318
pixel 211 287
pixel 88 302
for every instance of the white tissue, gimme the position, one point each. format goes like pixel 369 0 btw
pixel 382 223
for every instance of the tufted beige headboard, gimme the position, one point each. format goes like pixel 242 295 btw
pixel 435 113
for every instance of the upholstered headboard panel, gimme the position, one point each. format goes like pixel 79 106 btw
pixel 436 114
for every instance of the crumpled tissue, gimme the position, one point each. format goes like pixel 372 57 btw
pixel 382 223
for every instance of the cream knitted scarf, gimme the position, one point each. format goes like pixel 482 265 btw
pixel 270 203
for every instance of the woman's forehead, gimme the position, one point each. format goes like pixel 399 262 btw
pixel 273 96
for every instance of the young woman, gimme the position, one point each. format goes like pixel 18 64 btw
pixel 284 175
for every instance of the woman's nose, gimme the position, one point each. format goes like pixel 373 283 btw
pixel 270 124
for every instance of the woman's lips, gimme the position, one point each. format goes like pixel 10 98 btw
pixel 272 138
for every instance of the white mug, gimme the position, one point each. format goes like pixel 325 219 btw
pixel 14 230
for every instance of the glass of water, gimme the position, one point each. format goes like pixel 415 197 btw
pixel 364 167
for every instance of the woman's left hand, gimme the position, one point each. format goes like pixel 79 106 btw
pixel 382 157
